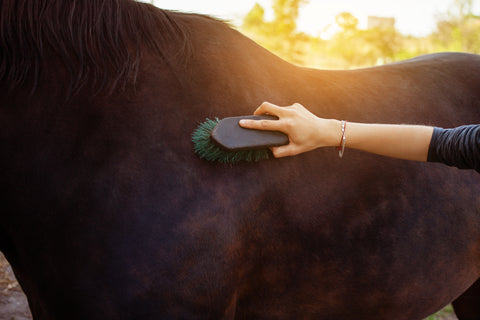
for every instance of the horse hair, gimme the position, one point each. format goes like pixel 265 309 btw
pixel 99 43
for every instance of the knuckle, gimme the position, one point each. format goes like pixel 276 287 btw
pixel 263 123
pixel 266 105
pixel 289 123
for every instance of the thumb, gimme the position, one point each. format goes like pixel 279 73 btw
pixel 284 151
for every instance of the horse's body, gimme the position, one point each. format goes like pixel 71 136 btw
pixel 108 214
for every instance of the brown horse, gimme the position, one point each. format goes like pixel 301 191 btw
pixel 108 214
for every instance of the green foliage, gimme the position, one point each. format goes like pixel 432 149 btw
pixel 280 34
pixel 255 20
pixel 445 313
pixel 458 34
pixel 351 47
pixel 347 22
pixel 458 29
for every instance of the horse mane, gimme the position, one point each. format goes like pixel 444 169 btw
pixel 98 43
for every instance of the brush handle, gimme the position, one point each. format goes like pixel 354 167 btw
pixel 230 136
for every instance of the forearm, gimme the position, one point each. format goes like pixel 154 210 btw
pixel 398 141
pixel 307 132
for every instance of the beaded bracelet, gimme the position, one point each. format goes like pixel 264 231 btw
pixel 341 147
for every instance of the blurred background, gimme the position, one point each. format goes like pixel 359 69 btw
pixel 345 34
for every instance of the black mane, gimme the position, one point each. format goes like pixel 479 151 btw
pixel 98 43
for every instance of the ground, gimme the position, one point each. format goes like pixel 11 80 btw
pixel 14 305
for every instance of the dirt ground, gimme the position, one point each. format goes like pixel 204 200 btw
pixel 14 305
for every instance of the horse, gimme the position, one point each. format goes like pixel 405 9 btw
pixel 107 213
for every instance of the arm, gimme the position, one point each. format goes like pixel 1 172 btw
pixel 459 147
pixel 307 132
pixel 398 141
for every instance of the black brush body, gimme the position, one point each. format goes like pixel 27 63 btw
pixel 227 142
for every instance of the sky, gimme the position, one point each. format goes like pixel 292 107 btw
pixel 413 17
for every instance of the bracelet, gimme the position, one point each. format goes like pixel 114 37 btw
pixel 341 147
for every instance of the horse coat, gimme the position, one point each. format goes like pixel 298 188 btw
pixel 108 214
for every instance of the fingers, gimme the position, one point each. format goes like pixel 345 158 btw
pixel 266 108
pixel 269 108
pixel 289 118
pixel 284 151
pixel 272 125
pixel 279 152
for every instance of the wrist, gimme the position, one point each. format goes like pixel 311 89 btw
pixel 333 134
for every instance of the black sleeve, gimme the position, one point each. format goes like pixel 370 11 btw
pixel 458 147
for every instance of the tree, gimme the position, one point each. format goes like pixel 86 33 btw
pixel 363 47
pixel 347 22
pixel 462 8
pixel 384 43
pixel 459 29
pixel 286 15
pixel 255 19
pixel 279 35
pixel 347 42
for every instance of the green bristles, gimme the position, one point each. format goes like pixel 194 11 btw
pixel 205 148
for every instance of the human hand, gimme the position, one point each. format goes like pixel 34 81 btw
pixel 305 130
